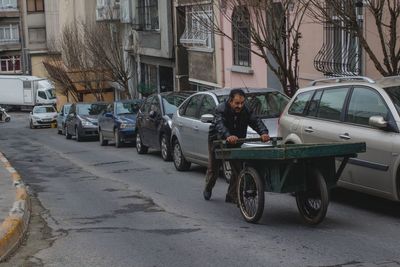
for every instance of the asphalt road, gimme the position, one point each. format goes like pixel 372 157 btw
pixel 103 206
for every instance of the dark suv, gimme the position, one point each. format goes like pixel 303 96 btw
pixel 82 120
pixel 153 122
pixel 118 122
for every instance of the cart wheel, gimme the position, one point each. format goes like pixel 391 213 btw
pixel 313 203
pixel 251 194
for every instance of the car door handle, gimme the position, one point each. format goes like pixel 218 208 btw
pixel 195 128
pixel 309 130
pixel 345 136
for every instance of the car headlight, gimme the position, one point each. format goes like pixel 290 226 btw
pixel 86 123
pixel 127 125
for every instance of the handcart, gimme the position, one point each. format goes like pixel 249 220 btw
pixel 308 170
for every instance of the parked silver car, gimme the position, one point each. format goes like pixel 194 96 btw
pixel 352 109
pixel 190 132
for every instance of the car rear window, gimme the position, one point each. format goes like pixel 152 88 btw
pixel 171 102
pixel 265 105
pixel 300 103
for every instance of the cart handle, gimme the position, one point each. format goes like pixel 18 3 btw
pixel 244 140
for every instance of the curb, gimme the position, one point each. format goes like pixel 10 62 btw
pixel 14 227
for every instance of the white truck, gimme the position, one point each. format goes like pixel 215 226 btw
pixel 24 92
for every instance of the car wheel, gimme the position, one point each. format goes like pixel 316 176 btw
pixel 77 136
pixel 117 139
pixel 103 142
pixel 180 163
pixel 165 148
pixel 67 135
pixel 140 148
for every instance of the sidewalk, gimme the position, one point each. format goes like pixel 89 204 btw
pixel 14 208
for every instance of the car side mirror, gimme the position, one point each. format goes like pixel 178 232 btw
pixel 378 122
pixel 108 115
pixel 207 118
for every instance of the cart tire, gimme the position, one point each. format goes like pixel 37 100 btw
pixel 250 195
pixel 313 203
pixel 227 171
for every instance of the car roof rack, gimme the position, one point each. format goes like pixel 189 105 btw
pixel 341 79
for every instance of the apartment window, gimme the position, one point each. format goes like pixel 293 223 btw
pixel 148 78
pixel 37 35
pixel 148 15
pixel 35 5
pixel 241 37
pixel 9 33
pixel 198 27
pixel 340 54
pixel 107 9
pixel 10 63
pixel 7 4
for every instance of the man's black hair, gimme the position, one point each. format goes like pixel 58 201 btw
pixel 236 92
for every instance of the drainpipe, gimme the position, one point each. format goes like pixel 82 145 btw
pixel 24 56
pixel 221 19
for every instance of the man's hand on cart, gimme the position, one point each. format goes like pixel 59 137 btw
pixel 232 139
pixel 265 138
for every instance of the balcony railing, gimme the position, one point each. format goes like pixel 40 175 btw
pixel 340 54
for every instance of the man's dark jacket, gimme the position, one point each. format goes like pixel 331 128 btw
pixel 227 122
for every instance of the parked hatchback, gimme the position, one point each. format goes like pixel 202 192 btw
pixel 118 122
pixel 61 117
pixel 42 116
pixel 190 131
pixel 352 109
pixel 153 123
pixel 82 120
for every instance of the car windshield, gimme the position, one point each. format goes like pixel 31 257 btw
pixel 394 94
pixel 44 110
pixel 265 105
pixel 51 94
pixel 171 103
pixel 130 107
pixel 66 109
pixel 91 109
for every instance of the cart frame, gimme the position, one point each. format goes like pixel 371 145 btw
pixel 308 170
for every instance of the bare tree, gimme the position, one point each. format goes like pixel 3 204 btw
pixel 274 33
pixel 105 45
pixel 345 15
pixel 91 59
pixel 58 73
pixel 86 71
